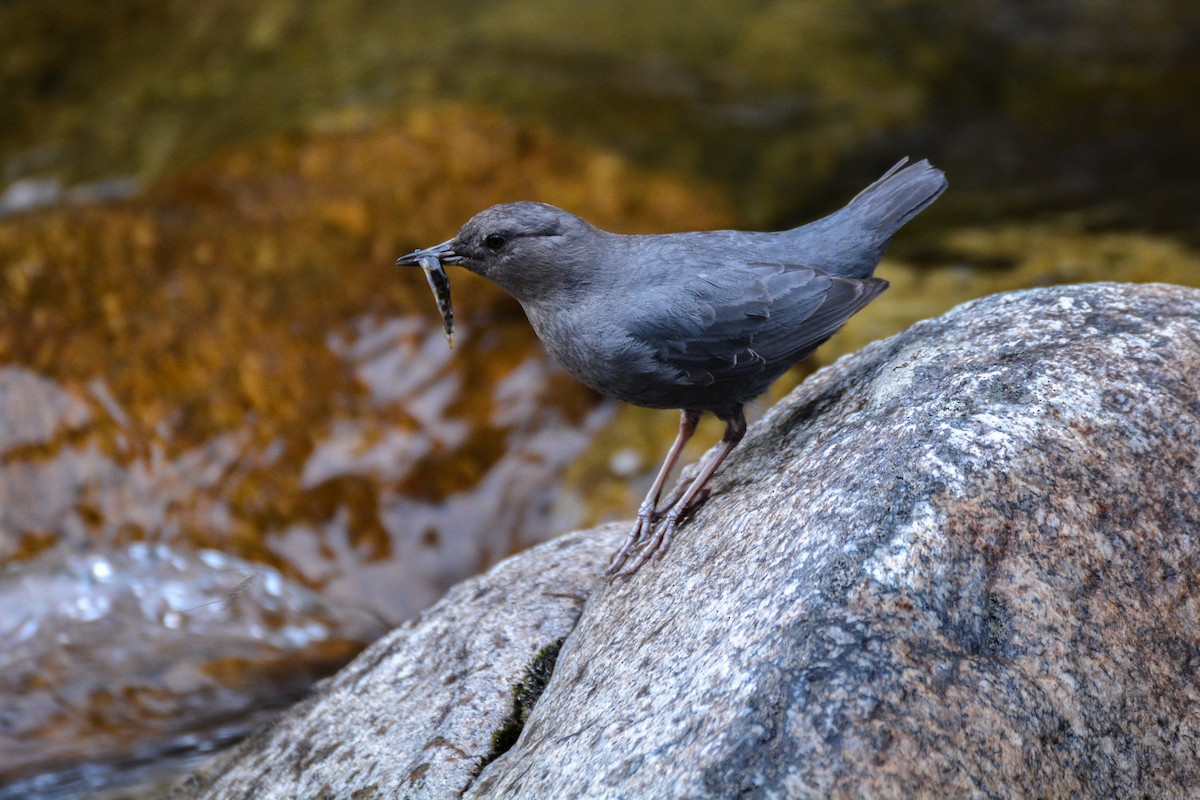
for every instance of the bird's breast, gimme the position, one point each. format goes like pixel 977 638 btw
pixel 596 350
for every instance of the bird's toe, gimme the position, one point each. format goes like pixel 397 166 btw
pixel 641 531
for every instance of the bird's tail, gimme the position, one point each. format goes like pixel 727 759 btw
pixel 903 192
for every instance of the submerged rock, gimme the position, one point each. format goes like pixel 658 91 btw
pixel 959 563
pixel 114 661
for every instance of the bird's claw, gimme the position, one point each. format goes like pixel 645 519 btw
pixel 657 542
pixel 656 547
pixel 642 530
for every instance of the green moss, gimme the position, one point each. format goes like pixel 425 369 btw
pixel 525 696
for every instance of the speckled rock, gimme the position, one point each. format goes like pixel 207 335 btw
pixel 960 563
pixel 422 710
pixel 963 562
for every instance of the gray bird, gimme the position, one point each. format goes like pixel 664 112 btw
pixel 702 321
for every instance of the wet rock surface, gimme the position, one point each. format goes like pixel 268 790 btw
pixel 960 562
pixel 142 650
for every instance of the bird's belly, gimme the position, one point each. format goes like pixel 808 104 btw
pixel 613 375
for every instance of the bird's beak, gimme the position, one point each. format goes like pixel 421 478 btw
pixel 442 252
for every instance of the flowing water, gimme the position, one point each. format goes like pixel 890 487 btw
pixel 234 445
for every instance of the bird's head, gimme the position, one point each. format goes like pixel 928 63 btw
pixel 531 250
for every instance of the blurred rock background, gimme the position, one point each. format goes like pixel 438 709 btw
pixel 234 446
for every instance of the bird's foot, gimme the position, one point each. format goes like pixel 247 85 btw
pixel 656 546
pixel 657 542
pixel 642 529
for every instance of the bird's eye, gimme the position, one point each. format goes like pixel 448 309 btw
pixel 494 241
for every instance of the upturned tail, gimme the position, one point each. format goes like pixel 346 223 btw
pixel 903 192
pixel 850 241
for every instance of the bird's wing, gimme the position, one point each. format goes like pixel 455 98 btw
pixel 732 322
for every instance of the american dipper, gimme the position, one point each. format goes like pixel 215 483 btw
pixel 701 321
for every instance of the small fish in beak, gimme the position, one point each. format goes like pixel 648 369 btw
pixel 430 261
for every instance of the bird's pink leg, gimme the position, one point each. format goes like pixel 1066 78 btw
pixel 657 546
pixel 648 513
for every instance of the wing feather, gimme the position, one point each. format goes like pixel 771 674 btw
pixel 746 319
